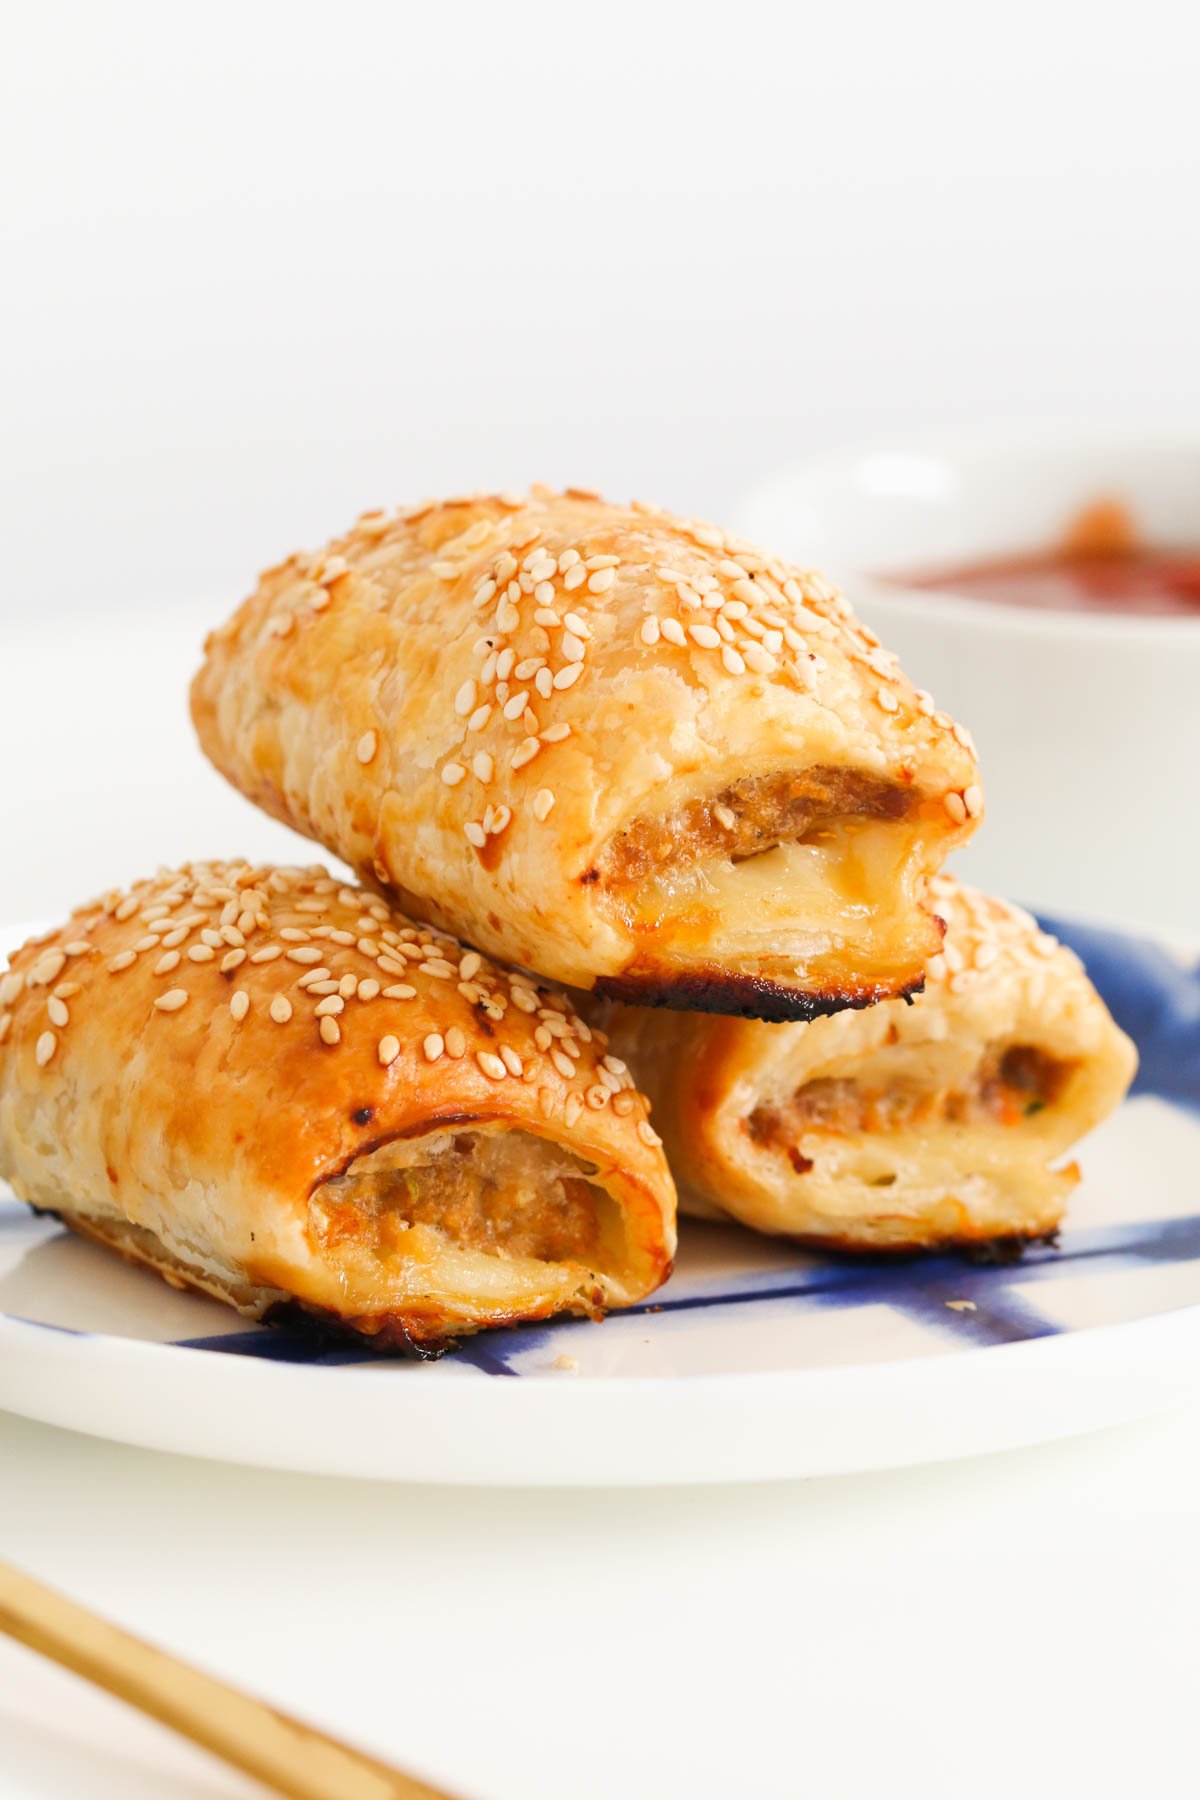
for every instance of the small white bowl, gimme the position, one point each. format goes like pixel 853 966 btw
pixel 1088 726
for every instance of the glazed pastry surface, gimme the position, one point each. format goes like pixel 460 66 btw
pixel 622 749
pixel 272 1087
pixel 905 1127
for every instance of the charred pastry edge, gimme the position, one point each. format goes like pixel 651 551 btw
pixel 744 996
pixel 1001 1251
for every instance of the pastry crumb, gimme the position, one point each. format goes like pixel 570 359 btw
pixel 961 1305
pixel 570 1364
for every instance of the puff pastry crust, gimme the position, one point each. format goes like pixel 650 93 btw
pixel 905 1127
pixel 622 749
pixel 273 1088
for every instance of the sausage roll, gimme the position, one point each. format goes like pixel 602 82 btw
pixel 621 749
pixel 272 1088
pixel 904 1127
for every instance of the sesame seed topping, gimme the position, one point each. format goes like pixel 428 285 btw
pixel 330 1031
pixel 168 961
pixel 77 947
pixel 400 991
pixel 543 803
pixel 705 637
pixel 573 1108
pixel 239 1004
pixel 433 1046
pixel 491 1065
pixel 575 577
pixel 601 580
pixel 453 773
pixel 673 631
pixel 568 676
pixel 47 1044
pixel 647 1133
pixel 516 706
pixel 525 752
pixel 388 1050
pixel 479 717
pixel 125 959
pixel 973 801
pixel 200 953
pixel 172 1000
pixel 733 660
pixel 303 953
pixel 886 699
pixel 233 959
pixel 366 747
pixel 955 807
pixel 57 1011
pixel 464 700
pixel 280 1009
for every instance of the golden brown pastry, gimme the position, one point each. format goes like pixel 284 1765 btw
pixel 902 1127
pixel 272 1088
pixel 619 748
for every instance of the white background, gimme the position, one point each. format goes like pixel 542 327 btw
pixel 264 266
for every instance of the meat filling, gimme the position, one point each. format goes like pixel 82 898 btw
pixel 507 1194
pixel 1010 1085
pixel 748 817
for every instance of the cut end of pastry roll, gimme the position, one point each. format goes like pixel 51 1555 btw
pixel 624 749
pixel 275 1089
pixel 944 1123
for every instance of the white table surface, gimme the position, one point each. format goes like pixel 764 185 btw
pixel 1020 1623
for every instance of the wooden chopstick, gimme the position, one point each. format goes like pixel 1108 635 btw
pixel 275 1749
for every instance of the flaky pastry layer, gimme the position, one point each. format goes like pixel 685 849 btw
pixel 903 1127
pixel 623 749
pixel 274 1088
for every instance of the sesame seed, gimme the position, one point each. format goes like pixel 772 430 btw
pixel 573 647
pixel 507 616
pixel 453 773
pixel 575 577
pixel 479 717
pixel 347 987
pixel 674 633
pixel 232 959
pixel 304 953
pixel 623 1104
pixel 167 962
pixel 597 1096
pixel 47 1044
pixel 973 801
pixel 705 637
pixel 330 1030
pixel 366 747
pixel 491 1065
pixel 516 706
pixel 758 659
pixel 525 752
pixel 725 816
pixel 66 990
pixel 368 989
pixel 545 615
pixel 887 700
pixel 281 1009
pixel 388 1050
pixel 200 953
pixel 433 1046
pixel 647 1133
pixel 172 1000
pixel 124 960
pixel 543 681
pixel 464 700
pixel 573 1108
pixel 239 1004
pixel 956 807
pixel 601 580
pixel 563 1064
pixel 456 1043
pixel 650 631
pixel 267 954
pixel 543 592
pixel 57 1011
pixel 470 965
pixel 733 660
pixel 485 591
pixel 77 947
pixel 568 676
pixel 504 664
pixel 543 803
pixel 10 987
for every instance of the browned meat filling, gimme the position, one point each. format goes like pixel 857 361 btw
pixel 504 1193
pixel 1010 1085
pixel 748 817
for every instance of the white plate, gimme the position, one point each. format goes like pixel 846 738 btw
pixel 755 1361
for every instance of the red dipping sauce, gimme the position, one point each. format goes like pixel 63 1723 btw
pixel 1101 566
